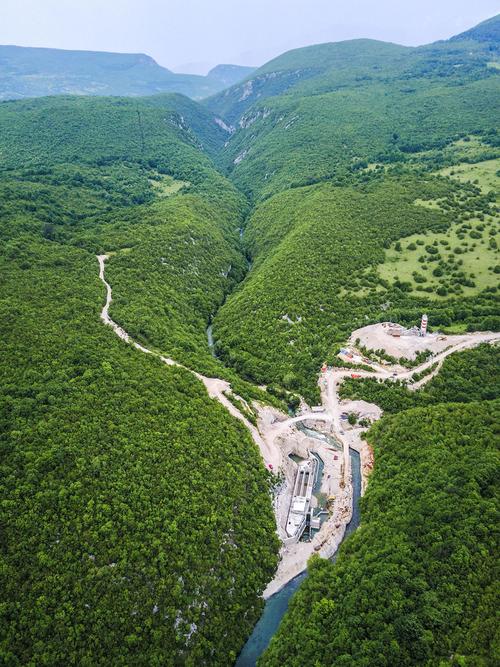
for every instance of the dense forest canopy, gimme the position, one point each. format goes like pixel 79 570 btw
pixel 415 585
pixel 135 510
pixel 337 186
pixel 101 175
pixel 107 459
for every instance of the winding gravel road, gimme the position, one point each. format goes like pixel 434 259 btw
pixel 215 387
pixel 267 438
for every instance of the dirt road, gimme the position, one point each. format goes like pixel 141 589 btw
pixel 274 427
pixel 215 387
pixel 334 377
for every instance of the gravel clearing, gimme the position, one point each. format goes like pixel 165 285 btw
pixel 377 337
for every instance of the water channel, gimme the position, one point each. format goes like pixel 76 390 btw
pixel 210 340
pixel 277 604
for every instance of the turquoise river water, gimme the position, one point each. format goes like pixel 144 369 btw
pixel 277 604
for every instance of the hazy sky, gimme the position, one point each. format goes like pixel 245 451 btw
pixel 248 32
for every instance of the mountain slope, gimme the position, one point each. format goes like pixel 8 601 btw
pixel 36 72
pixel 331 164
pixel 415 584
pixel 114 465
pixel 345 60
pixel 293 140
pixel 357 99
pixel 487 31
pixel 228 75
pixel 321 248
pixel 83 128
pixel 328 67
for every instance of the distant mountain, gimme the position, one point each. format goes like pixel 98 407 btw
pixel 35 72
pixel 228 75
pixel 487 31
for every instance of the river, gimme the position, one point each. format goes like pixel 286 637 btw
pixel 210 340
pixel 277 604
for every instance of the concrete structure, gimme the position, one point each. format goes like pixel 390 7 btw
pixel 300 504
pixel 423 325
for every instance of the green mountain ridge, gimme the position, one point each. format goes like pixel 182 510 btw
pixel 487 31
pixel 345 62
pixel 40 136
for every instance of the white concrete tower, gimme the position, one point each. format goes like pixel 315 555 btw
pixel 423 325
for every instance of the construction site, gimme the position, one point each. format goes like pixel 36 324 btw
pixel 399 341
pixel 314 472
pixel 314 503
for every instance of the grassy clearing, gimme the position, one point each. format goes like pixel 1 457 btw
pixel 166 186
pixel 459 261
pixel 433 204
pixel 463 260
pixel 469 148
pixel 455 329
pixel 123 251
pixel 483 174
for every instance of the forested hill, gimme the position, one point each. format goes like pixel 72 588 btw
pixel 359 185
pixel 286 72
pixel 487 31
pixel 353 62
pixel 164 128
pixel 35 72
pixel 137 525
pixel 310 114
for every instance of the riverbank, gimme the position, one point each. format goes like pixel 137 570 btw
pixel 277 436
pixel 335 486
pixel 277 604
